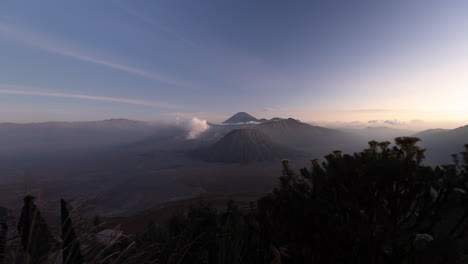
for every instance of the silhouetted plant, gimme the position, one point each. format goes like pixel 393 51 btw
pixel 36 237
pixel 378 206
pixel 368 207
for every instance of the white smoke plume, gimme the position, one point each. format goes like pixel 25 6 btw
pixel 195 127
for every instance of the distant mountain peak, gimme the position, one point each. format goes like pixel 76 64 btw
pixel 241 117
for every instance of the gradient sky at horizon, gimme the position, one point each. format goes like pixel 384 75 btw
pixel 320 61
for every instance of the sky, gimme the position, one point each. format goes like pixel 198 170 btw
pixel 330 62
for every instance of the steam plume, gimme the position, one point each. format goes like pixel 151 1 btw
pixel 196 127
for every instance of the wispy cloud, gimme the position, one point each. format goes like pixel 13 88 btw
pixel 15 90
pixel 51 45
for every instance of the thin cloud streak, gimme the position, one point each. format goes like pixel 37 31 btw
pixel 47 44
pixel 6 89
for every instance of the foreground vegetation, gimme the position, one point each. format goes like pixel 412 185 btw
pixel 381 205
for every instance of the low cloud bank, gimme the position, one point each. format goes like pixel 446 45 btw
pixel 390 123
pixel 387 122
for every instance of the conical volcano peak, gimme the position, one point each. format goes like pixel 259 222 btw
pixel 241 117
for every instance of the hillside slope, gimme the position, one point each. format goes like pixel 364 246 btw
pixel 314 139
pixel 245 146
pixel 441 144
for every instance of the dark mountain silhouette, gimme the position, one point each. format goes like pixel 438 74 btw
pixel 241 117
pixel 314 139
pixel 442 143
pixel 292 127
pixel 245 146
pixel 430 132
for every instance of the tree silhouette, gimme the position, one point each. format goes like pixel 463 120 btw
pixel 36 237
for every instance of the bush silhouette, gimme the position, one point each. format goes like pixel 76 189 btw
pixel 378 206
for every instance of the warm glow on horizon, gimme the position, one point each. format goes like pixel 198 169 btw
pixel 387 61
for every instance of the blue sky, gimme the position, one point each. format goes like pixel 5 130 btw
pixel 321 61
